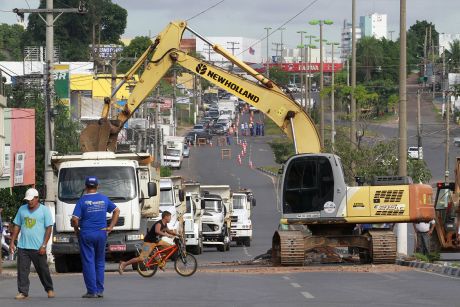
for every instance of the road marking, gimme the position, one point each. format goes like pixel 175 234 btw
pixel 246 251
pixel 438 274
pixel 307 295
pixel 286 277
pixel 295 285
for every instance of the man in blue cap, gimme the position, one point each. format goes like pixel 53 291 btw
pixel 90 225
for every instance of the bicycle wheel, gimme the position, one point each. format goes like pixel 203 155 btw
pixel 146 271
pixel 185 265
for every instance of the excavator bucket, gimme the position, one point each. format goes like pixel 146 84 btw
pixel 99 136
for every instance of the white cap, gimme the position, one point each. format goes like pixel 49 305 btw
pixel 30 194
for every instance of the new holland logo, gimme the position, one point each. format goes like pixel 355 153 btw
pixel 201 69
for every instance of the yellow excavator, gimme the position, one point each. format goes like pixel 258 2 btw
pixel 318 208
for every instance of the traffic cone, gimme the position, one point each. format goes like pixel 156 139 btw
pixel 250 164
pixel 239 159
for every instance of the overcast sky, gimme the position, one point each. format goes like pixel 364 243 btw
pixel 249 17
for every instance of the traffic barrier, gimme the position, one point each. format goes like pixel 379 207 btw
pixel 201 141
pixel 222 141
pixel 239 159
pixel 226 153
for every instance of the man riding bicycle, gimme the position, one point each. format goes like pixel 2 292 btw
pixel 154 238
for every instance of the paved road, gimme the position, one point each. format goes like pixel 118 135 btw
pixel 206 166
pixel 410 288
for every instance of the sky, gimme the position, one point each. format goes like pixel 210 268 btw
pixel 248 18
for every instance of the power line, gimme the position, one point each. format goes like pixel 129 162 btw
pixel 204 11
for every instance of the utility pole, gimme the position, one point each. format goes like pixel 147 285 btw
pixel 321 83
pixel 353 78
pixel 447 102
pixel 277 45
pixel 432 66
pixel 310 37
pixel 391 34
pixel 268 59
pixel 208 49
pixel 333 99
pixel 233 48
pixel 419 122
pixel 402 160
pixel 302 62
pixel 113 85
pixel 281 30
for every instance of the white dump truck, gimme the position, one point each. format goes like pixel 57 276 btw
pixel 216 217
pixel 192 218
pixel 128 179
pixel 173 148
pixel 241 227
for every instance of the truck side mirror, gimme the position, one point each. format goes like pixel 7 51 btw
pixel 181 195
pixel 152 188
pixel 253 202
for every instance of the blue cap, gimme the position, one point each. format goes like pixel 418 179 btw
pixel 91 181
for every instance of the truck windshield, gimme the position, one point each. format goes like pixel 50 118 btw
pixel 117 183
pixel 213 205
pixel 166 197
pixel 238 202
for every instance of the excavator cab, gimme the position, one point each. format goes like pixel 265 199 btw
pixel 310 183
pixel 446 210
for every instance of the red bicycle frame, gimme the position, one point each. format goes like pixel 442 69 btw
pixel 165 254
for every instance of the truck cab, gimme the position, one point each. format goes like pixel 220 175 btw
pixel 171 198
pixel 216 217
pixel 122 177
pixel 192 218
pixel 241 227
pixel 173 151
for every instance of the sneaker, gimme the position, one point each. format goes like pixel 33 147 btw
pixel 100 295
pixel 89 295
pixel 51 294
pixel 21 296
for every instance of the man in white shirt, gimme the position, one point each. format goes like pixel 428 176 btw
pixel 423 231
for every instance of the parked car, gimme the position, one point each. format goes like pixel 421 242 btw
pixel 218 129
pixel 457 141
pixel 415 152
pixel 199 128
pixel 186 151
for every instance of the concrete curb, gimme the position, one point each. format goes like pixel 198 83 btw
pixel 432 267
pixel 266 171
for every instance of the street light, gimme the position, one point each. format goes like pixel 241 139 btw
pixel 307 76
pixel 332 44
pixel 302 48
pixel 268 60
pixel 281 31
pixel 321 76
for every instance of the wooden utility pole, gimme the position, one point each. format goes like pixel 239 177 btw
pixel 353 77
pixel 233 48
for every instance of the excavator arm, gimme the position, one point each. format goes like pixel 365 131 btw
pixel 163 54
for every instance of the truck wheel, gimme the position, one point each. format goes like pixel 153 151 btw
pixel 221 248
pixel 195 249
pixel 247 242
pixel 227 246
pixel 60 263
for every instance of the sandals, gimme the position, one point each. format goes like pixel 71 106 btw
pixel 120 268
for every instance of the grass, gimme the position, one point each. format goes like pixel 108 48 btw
pixel 271 168
pixel 271 128
pixel 434 256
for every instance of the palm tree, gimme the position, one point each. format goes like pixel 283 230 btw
pixel 453 55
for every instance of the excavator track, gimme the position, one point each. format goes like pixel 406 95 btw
pixel 383 246
pixel 288 248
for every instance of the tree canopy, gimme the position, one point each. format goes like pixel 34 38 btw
pixel 73 32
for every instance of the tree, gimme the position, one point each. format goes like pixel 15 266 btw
pixel 369 55
pixel 453 56
pixel 11 42
pixel 279 76
pixel 133 51
pixel 73 32
pixel 416 40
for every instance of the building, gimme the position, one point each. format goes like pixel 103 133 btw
pixel 374 25
pixel 345 51
pixel 445 39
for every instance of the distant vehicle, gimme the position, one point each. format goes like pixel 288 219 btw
pixel 254 109
pixel 214 114
pixel 186 151
pixel 293 88
pixel 193 136
pixel 218 129
pixel 415 153
pixel 457 141
pixel 199 128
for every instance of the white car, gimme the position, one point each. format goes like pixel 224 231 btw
pixel 415 153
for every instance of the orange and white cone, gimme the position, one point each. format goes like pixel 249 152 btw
pixel 250 164
pixel 239 159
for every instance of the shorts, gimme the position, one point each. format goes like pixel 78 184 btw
pixel 147 248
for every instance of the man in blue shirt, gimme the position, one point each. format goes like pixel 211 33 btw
pixel 90 225
pixel 35 223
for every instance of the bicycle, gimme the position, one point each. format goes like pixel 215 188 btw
pixel 185 264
